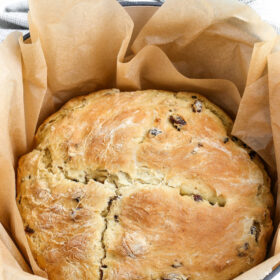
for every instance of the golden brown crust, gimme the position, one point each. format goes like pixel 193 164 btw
pixel 143 185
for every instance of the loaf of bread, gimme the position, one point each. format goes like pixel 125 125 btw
pixel 143 185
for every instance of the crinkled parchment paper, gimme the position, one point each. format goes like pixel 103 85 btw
pixel 220 49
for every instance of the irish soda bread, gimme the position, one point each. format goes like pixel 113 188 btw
pixel 143 185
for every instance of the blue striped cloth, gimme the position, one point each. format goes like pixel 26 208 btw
pixel 13 14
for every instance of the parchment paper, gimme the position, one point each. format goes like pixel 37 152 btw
pixel 220 49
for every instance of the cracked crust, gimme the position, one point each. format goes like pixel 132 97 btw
pixel 143 185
